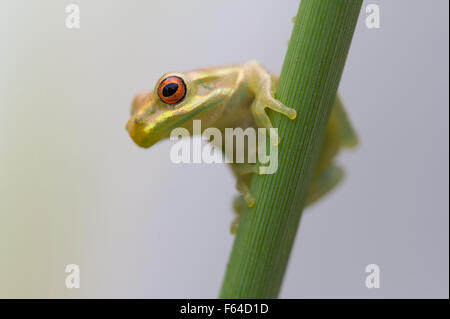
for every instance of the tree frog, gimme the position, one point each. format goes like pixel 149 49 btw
pixel 231 97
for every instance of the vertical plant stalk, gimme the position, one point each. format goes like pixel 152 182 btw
pixel 308 82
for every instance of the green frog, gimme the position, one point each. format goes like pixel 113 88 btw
pixel 233 97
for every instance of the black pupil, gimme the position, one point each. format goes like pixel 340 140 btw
pixel 170 89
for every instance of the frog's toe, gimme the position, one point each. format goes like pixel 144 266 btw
pixel 250 200
pixel 279 107
pixel 244 190
pixel 234 225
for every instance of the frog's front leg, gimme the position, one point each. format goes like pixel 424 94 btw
pixel 262 85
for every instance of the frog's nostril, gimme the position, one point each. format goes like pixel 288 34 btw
pixel 133 123
pixel 138 120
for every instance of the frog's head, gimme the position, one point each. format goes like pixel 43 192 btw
pixel 175 102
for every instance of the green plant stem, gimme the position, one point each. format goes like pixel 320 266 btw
pixel 308 82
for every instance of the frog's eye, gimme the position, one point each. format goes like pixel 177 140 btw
pixel 172 90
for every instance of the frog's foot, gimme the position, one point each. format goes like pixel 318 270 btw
pixel 242 187
pixel 263 85
pixel 266 100
pixel 238 205
pixel 324 183
pixel 243 172
pixel 235 225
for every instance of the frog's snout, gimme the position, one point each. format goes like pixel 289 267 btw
pixel 136 124
pixel 136 128
pixel 147 124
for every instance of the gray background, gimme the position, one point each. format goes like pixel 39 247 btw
pixel 75 189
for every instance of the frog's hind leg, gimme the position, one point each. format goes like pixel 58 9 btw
pixel 324 182
pixel 339 134
pixel 344 129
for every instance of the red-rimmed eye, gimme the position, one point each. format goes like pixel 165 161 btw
pixel 172 90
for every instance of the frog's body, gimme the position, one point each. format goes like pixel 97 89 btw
pixel 231 97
